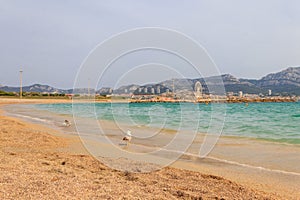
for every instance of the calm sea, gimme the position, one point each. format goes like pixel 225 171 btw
pixel 279 122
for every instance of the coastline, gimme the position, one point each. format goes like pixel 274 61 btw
pixel 70 145
pixel 235 129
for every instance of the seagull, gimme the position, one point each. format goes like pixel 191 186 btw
pixel 66 123
pixel 127 137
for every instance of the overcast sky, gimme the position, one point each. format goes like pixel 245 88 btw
pixel 50 39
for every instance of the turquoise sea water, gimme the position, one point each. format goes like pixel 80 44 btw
pixel 278 122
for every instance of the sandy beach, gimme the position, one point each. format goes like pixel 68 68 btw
pixel 38 162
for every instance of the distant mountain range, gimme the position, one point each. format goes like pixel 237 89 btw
pixel 35 88
pixel 286 82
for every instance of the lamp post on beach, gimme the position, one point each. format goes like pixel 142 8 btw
pixel 89 94
pixel 21 92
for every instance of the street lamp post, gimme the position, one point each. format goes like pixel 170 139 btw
pixel 89 93
pixel 21 85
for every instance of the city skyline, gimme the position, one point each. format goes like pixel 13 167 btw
pixel 284 82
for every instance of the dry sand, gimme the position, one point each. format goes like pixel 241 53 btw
pixel 41 163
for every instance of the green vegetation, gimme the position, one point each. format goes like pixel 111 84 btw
pixel 3 93
pixel 39 95
pixel 33 95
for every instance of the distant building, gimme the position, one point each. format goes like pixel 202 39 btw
pixel 198 89
pixel 145 90
pixel 152 91
pixel 270 92
pixel 158 89
pixel 241 94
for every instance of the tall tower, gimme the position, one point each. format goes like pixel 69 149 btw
pixel 241 94
pixel 152 91
pixel 21 83
pixel 89 93
pixel 158 89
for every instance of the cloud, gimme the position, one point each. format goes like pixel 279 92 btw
pixel 51 39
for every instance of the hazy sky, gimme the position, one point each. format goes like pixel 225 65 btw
pixel 50 39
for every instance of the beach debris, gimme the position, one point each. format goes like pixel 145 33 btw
pixel 180 193
pixel 130 176
pixel 66 123
pixel 127 138
pixel 45 163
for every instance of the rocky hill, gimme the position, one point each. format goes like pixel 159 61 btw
pixel 286 82
pixel 289 76
pixel 35 88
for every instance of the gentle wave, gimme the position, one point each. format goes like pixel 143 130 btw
pixel 234 163
pixel 32 118
pixel 275 121
pixel 185 153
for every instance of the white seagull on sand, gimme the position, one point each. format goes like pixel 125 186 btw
pixel 127 137
pixel 66 123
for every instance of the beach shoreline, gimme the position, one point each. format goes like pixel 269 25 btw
pixel 70 147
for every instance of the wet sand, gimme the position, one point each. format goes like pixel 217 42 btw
pixel 41 163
